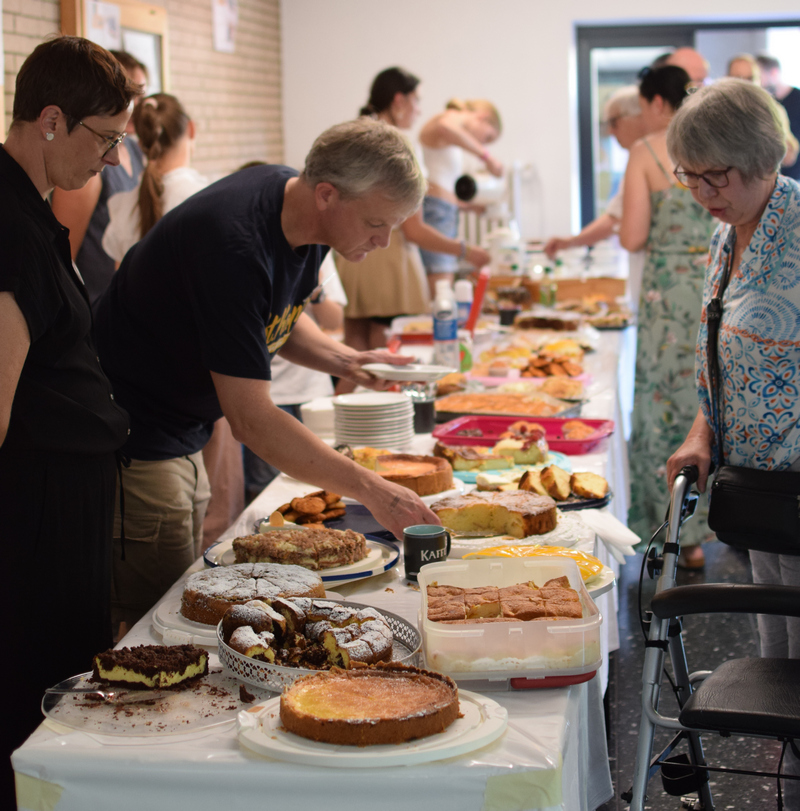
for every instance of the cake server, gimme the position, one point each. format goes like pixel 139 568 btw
pixel 111 696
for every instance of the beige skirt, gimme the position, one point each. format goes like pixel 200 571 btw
pixel 386 283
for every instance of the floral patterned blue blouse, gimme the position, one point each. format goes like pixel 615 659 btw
pixel 759 338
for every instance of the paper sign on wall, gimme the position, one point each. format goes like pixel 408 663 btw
pixel 103 24
pixel 226 18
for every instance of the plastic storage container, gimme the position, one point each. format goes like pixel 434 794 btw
pixel 511 655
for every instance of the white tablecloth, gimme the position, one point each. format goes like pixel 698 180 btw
pixel 553 755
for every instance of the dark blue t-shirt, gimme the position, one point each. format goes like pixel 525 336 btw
pixel 213 287
pixel 792 104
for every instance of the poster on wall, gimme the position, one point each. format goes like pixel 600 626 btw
pixel 146 48
pixel 226 18
pixel 103 24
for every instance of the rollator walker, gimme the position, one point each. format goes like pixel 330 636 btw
pixel 750 697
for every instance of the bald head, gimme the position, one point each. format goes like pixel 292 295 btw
pixel 691 62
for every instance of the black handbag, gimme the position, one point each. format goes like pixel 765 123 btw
pixel 748 508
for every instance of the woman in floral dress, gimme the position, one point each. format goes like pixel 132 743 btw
pixel 662 217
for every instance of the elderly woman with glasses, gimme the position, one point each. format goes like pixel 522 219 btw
pixel 728 141
pixel 59 423
pixel 660 216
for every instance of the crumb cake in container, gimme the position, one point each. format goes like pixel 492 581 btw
pixel 509 618
pixel 385 704
pixel 207 595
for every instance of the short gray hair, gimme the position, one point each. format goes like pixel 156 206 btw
pixel 623 102
pixel 365 155
pixel 729 123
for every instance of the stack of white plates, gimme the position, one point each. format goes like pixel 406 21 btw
pixel 374 418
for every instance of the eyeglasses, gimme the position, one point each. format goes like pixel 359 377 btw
pixel 111 143
pixel 717 179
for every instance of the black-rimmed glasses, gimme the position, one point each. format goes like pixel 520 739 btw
pixel 111 143
pixel 716 178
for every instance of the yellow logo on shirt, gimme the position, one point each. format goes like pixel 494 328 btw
pixel 278 330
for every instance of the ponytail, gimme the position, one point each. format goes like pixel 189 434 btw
pixel 160 123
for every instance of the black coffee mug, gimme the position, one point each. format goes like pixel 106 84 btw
pixel 424 543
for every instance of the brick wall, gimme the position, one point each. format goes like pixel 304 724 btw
pixel 234 99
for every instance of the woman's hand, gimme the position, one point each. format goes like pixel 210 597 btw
pixel 696 450
pixel 477 257
pixel 556 244
pixel 492 164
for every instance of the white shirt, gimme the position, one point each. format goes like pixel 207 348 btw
pixel 122 231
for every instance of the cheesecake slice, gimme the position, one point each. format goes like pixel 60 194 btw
pixel 151 666
pixel 473 457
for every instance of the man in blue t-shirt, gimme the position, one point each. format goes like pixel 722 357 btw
pixel 192 318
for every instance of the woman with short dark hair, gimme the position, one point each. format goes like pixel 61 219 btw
pixel 59 424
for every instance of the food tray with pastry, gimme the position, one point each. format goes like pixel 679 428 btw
pixel 570 436
pixel 331 631
pixel 418 329
pixel 381 555
pixel 510 404
pixel 509 623
pixel 480 722
pixel 571 491
pixel 597 577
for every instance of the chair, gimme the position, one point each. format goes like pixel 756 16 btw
pixel 742 697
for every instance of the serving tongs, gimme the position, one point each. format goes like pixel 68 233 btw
pixel 121 696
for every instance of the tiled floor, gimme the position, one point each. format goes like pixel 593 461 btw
pixel 715 638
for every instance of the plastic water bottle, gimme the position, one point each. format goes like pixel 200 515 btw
pixel 445 327
pixel 463 300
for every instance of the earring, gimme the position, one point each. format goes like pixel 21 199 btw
pixel 50 136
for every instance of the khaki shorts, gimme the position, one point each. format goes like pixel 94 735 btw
pixel 165 503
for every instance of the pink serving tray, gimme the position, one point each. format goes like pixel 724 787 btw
pixel 492 427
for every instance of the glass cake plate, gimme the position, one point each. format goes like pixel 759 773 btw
pixel 210 701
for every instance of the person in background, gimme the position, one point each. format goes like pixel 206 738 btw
pixel 732 172
pixel 661 217
pixel 191 320
pixel 744 66
pixel 167 137
pixel 623 118
pixel 688 59
pixel 85 211
pixel 392 283
pixel 789 98
pixel 60 425
pixel 463 127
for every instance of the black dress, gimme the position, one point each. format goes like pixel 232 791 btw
pixel 57 469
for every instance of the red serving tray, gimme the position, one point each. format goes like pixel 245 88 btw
pixel 492 427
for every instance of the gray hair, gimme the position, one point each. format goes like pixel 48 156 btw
pixel 623 102
pixel 365 155
pixel 729 123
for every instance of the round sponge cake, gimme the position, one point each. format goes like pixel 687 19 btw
pixel 207 595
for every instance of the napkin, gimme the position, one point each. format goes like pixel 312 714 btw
pixel 618 539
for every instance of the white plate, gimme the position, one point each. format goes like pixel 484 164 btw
pixel 604 582
pixel 372 399
pixel 413 373
pixel 210 701
pixel 382 556
pixel 458 489
pixel 483 721
pixel 569 531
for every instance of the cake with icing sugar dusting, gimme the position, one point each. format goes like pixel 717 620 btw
pixel 207 595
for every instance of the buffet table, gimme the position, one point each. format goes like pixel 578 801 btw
pixel 552 756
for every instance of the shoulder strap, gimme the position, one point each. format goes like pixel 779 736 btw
pixel 713 320
pixel 658 162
